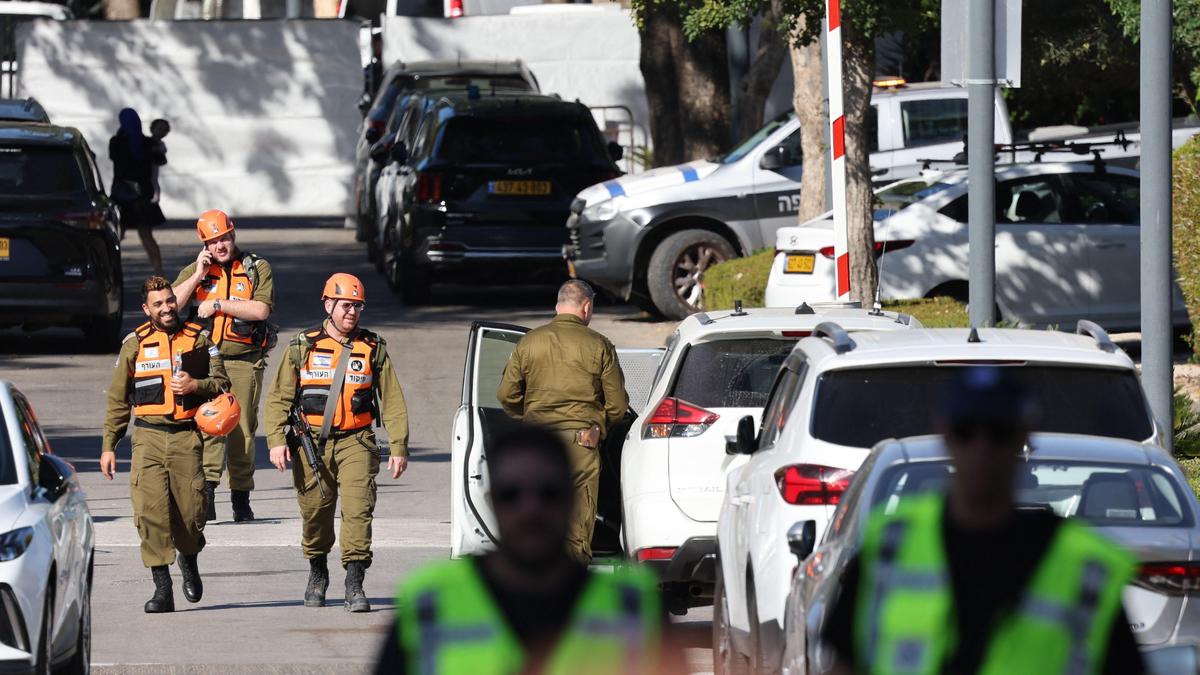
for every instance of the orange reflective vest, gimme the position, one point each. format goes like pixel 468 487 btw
pixel 153 369
pixel 236 282
pixel 356 409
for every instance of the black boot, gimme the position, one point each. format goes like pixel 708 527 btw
pixel 211 512
pixel 356 599
pixel 318 582
pixel 163 599
pixel 193 586
pixel 241 505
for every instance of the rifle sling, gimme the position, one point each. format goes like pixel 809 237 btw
pixel 335 395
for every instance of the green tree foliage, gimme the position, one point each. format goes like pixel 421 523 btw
pixel 1186 38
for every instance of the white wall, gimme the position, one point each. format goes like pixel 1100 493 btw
pixel 262 112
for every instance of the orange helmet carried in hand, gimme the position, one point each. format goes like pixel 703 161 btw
pixel 219 416
pixel 342 286
pixel 212 224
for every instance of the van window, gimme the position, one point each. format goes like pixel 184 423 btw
pixel 932 121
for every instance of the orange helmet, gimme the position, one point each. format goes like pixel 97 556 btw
pixel 212 224
pixel 342 286
pixel 219 416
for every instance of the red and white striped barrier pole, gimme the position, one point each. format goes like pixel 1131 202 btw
pixel 837 146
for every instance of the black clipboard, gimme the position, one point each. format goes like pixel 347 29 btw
pixel 195 362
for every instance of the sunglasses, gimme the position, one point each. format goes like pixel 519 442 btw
pixel 347 306
pixel 989 431
pixel 546 494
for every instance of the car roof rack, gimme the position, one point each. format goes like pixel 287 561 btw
pixel 837 336
pixel 704 319
pixel 1103 341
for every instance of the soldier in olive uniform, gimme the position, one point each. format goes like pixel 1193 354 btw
pixel 566 376
pixel 166 480
pixel 368 391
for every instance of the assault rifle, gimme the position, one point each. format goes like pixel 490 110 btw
pixel 300 442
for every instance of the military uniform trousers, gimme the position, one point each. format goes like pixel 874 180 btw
pixel 166 485
pixel 585 471
pixel 351 464
pixel 236 450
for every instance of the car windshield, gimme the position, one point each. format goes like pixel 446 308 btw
pixel 474 141
pixel 39 170
pixel 730 373
pixel 741 149
pixel 1124 495
pixel 904 400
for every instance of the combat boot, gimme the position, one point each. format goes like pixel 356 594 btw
pixel 318 582
pixel 356 599
pixel 163 599
pixel 241 505
pixel 193 587
pixel 211 490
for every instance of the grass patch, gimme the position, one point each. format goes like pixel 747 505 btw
pixel 742 279
pixel 933 312
pixel 1186 228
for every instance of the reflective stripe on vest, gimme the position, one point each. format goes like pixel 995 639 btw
pixel 449 623
pixel 221 284
pixel 153 369
pixel 905 616
pixel 357 407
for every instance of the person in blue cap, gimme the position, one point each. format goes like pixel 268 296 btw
pixel 966 582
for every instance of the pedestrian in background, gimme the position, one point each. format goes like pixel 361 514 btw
pixel 566 376
pixel 133 183
pixel 159 129
pixel 969 582
pixel 372 73
pixel 530 607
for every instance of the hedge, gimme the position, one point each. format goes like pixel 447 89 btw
pixel 1186 215
pixel 742 279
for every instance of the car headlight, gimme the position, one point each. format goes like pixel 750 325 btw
pixel 605 210
pixel 14 543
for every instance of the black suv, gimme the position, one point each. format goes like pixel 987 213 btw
pixel 486 187
pixel 60 257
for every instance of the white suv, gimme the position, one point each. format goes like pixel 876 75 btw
pixel 717 369
pixel 838 395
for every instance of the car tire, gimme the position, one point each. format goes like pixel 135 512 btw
pixel 676 267
pixel 727 660
pixel 42 664
pixel 759 662
pixel 81 660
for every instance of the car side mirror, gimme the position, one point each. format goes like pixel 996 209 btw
pixel 54 476
pixel 399 152
pixel 802 538
pixel 773 159
pixel 615 151
pixel 746 441
pixel 372 135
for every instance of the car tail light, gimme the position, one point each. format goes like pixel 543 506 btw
pixel 881 247
pixel 827 251
pixel 645 554
pixel 91 220
pixel 812 484
pixel 429 188
pixel 675 418
pixel 456 9
pixel 1170 577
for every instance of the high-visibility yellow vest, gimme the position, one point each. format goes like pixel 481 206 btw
pixel 449 623
pixel 905 615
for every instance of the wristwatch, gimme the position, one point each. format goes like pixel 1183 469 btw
pixel 217 305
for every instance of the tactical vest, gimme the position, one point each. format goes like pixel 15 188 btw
pixel 153 368
pixel 449 623
pixel 904 620
pixel 318 356
pixel 238 283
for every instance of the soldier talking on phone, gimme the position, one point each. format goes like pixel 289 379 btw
pixel 566 376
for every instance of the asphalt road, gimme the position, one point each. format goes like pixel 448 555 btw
pixel 252 617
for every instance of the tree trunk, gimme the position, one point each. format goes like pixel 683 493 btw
pixel 755 88
pixel 662 36
pixel 118 10
pixel 858 65
pixel 808 99
pixel 702 74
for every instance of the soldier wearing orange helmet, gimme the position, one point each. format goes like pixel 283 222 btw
pixel 235 295
pixel 341 377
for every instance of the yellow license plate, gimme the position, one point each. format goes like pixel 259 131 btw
pixel 519 187
pixel 4 248
pixel 799 263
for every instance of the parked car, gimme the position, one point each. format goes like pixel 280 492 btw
pixel 836 397
pixel 47 546
pixel 1132 492
pixel 486 187
pixel 60 256
pixel 23 110
pixel 1067 242
pixel 718 367
pixel 401 79
pixel 649 237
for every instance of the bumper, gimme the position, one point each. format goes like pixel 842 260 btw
pixel 789 290
pixel 694 561
pixel 602 253
pixel 54 303
pixel 444 244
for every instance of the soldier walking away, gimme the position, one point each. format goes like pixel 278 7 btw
pixel 340 379
pixel 566 376
pixel 530 607
pixel 235 295
pixel 970 582
pixel 165 371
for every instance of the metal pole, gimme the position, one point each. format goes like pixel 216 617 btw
pixel 1156 266
pixel 981 125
